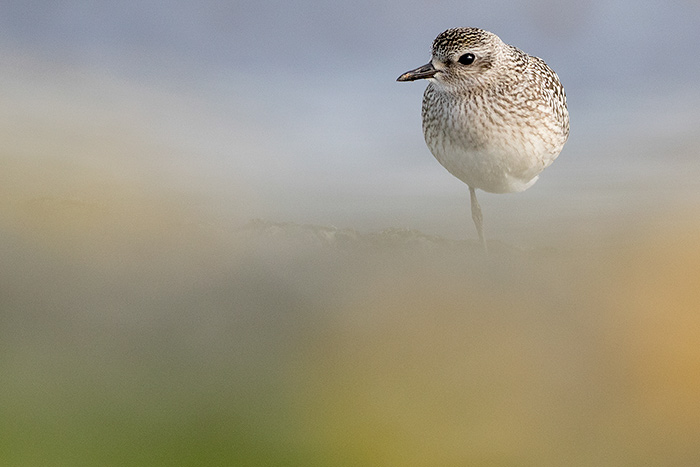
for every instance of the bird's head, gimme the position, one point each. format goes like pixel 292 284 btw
pixel 463 57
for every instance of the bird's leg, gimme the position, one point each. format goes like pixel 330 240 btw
pixel 477 217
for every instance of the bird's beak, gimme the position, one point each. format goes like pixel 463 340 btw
pixel 423 72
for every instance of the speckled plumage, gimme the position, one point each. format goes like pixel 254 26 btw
pixel 493 116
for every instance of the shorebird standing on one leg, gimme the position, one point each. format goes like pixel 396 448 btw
pixel 493 116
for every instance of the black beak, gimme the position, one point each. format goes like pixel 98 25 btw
pixel 423 72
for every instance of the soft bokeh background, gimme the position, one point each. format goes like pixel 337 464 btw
pixel 145 321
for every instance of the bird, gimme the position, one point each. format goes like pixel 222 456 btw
pixel 494 116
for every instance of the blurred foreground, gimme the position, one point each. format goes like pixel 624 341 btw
pixel 134 332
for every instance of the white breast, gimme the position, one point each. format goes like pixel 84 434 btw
pixel 491 150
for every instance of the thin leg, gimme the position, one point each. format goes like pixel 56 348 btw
pixel 477 217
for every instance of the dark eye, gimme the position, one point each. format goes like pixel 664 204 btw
pixel 466 59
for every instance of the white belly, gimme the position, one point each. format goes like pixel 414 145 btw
pixel 493 168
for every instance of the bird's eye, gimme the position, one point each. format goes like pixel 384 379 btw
pixel 466 59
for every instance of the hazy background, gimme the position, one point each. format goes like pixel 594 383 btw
pixel 145 321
